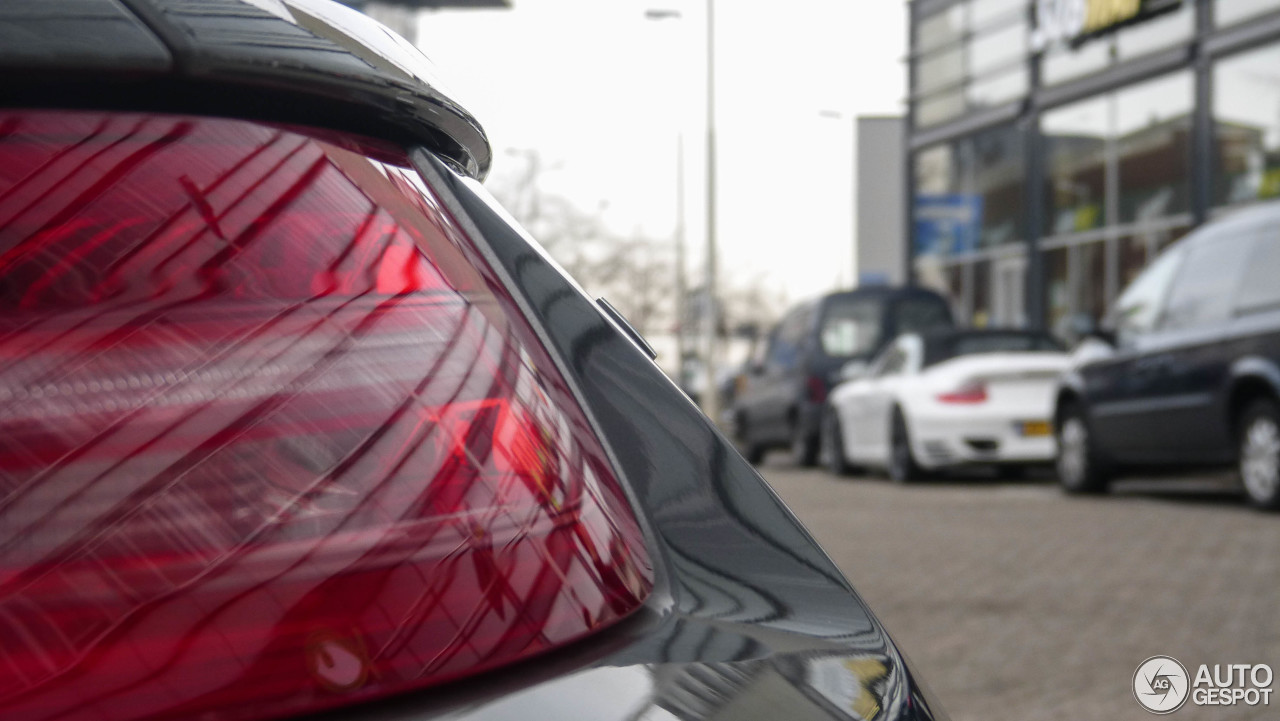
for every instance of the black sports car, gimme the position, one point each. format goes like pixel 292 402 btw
pixel 294 421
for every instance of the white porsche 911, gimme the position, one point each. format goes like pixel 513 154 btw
pixel 945 399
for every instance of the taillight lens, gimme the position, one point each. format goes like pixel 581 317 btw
pixel 974 392
pixel 817 389
pixel 272 436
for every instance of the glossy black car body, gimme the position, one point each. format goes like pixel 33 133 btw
pixel 1189 358
pixel 781 398
pixel 748 616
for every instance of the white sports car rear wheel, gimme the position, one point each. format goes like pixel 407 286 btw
pixel 831 452
pixel 902 461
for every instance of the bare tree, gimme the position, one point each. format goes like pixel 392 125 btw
pixel 635 272
pixel 748 302
pixel 638 276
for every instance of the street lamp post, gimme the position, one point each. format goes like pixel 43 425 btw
pixel 682 290
pixel 711 398
pixel 711 347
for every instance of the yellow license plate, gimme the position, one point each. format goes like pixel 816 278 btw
pixel 1036 428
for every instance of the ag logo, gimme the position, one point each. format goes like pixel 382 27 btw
pixel 1161 684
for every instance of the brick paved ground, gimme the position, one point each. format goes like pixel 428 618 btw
pixel 1015 602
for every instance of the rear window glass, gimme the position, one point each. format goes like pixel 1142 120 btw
pixel 945 348
pixel 1206 284
pixel 919 315
pixel 851 326
pixel 1259 290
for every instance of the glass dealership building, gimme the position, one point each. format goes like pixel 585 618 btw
pixel 1055 146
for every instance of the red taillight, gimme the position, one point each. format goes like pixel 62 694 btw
pixel 272 437
pixel 817 389
pixel 975 392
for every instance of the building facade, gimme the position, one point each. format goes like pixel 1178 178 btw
pixel 1055 146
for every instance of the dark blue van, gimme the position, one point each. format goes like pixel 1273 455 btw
pixel 780 400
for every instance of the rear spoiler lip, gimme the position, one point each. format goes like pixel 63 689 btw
pixel 1028 367
pixel 1045 374
pixel 232 58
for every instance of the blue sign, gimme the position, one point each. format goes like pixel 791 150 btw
pixel 947 224
pixel 873 277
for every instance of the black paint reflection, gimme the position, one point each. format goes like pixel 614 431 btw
pixel 752 604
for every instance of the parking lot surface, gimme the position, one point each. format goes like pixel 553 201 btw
pixel 1016 602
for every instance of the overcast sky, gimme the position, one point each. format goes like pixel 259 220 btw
pixel 601 92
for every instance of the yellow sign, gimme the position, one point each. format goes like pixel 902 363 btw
pixel 1105 13
pixel 1069 20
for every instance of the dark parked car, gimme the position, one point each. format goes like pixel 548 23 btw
pixel 1188 370
pixel 781 399
pixel 294 422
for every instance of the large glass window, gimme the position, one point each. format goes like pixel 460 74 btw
pixel 940 69
pixel 945 278
pixel 999 88
pixel 940 107
pixel 1091 279
pixel 1246 110
pixel 1120 158
pixel 1076 139
pixel 1063 62
pixel 935 171
pixel 1153 135
pixel 1157 33
pixel 998 173
pixel 945 219
pixel 999 48
pixel 939 29
pixel 1117 186
pixel 1057 290
pixel 1009 290
pixel 968 206
pixel 970 56
pixel 987 11
pixel 980 311
pixel 1228 12
pixel 969 193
